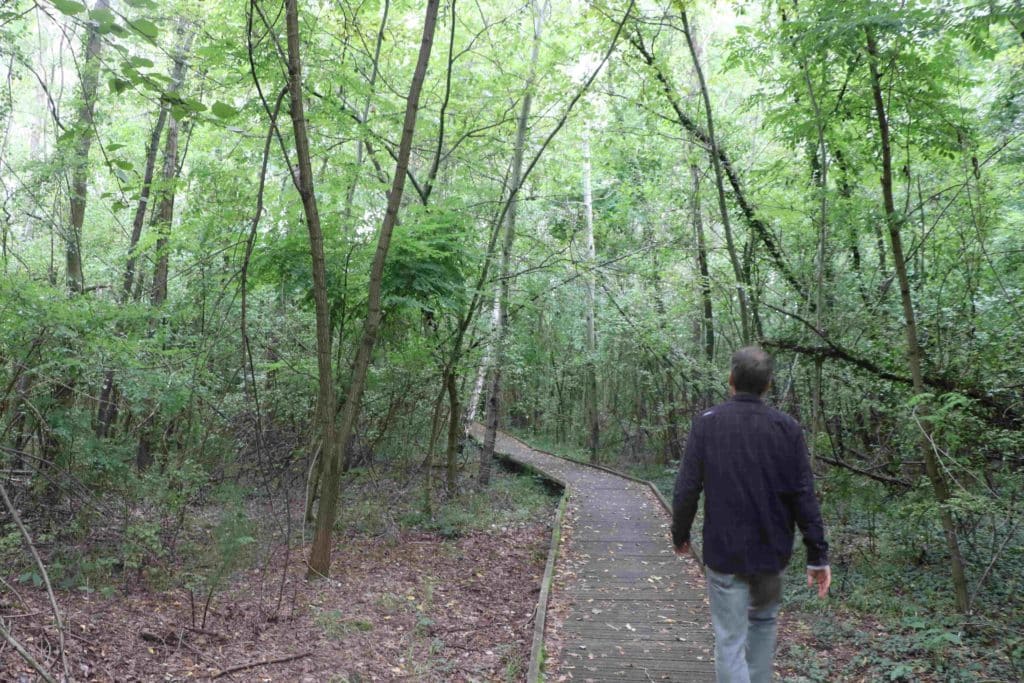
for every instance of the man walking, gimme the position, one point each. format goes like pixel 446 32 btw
pixel 751 462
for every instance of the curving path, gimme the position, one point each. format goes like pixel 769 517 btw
pixel 624 607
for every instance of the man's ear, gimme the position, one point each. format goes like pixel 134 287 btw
pixel 732 385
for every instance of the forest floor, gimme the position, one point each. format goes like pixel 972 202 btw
pixel 449 605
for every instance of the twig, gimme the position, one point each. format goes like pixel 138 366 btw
pixel 977 588
pixel 24 654
pixel 42 572
pixel 262 662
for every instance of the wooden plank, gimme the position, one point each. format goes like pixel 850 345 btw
pixel 537 649
pixel 623 571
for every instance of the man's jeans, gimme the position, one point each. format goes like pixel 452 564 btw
pixel 743 612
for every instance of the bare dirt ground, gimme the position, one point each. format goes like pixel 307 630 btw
pixel 418 607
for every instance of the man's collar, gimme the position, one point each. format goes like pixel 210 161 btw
pixel 743 396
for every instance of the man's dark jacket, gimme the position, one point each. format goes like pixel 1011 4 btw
pixel 751 462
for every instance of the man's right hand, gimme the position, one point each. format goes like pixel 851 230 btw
pixel 822 577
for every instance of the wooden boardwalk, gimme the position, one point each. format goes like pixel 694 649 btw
pixel 624 607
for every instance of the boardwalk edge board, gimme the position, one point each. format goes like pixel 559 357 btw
pixel 534 673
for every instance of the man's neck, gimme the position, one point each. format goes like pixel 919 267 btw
pixel 746 396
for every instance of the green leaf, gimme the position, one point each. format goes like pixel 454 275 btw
pixel 210 51
pixel 146 28
pixel 223 110
pixel 68 7
pixel 119 85
pixel 104 17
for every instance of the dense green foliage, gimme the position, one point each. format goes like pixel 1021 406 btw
pixel 133 425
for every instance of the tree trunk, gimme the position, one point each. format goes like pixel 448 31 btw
pixel 158 294
pixel 80 163
pixel 501 334
pixel 702 265
pixel 819 173
pixel 741 283
pixel 177 75
pixel 320 553
pixel 485 363
pixel 451 449
pixel 593 420
pixel 893 222
pixel 329 443
pixel 165 216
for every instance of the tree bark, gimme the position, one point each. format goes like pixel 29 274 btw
pixel 320 553
pixel 894 222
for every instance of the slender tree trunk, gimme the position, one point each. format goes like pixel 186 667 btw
pixel 329 443
pixel 820 178
pixel 485 363
pixel 893 222
pixel 320 553
pixel 702 265
pixel 162 220
pixel 177 76
pixel 593 419
pixel 741 283
pixel 452 447
pixel 501 335
pixel 80 163
pixel 165 216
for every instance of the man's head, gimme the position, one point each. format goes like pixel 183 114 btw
pixel 751 371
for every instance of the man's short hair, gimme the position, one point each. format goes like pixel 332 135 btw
pixel 751 370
